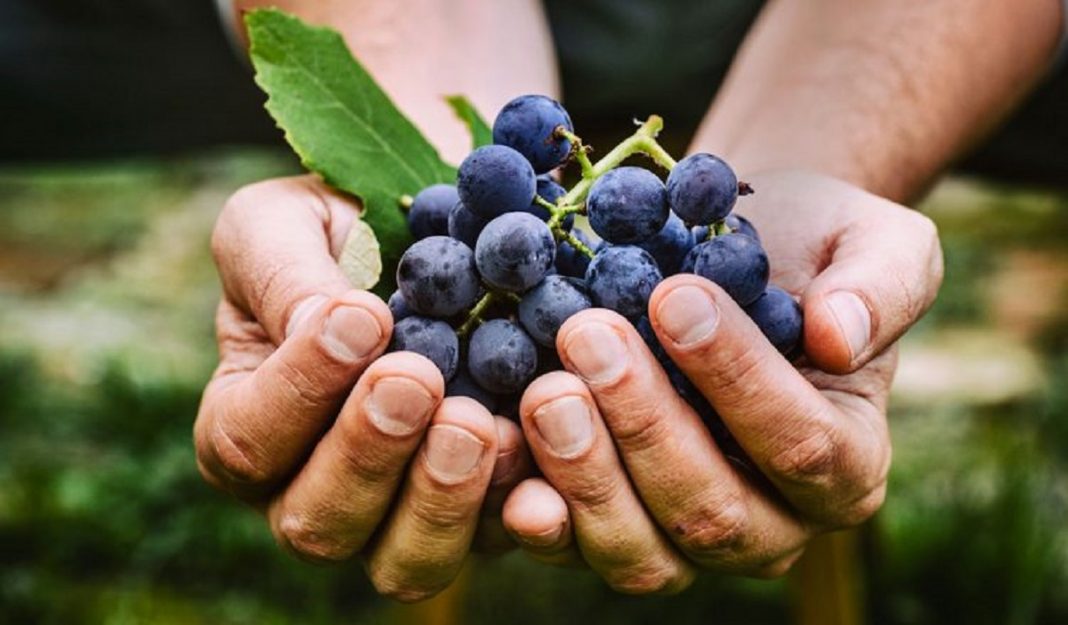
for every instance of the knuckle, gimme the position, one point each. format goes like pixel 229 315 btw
pixel 440 517
pixel 595 493
pixel 238 460
pixel 861 509
pixel 644 425
pixel 718 532
pixel 735 381
pixel 779 567
pixel 650 579
pixel 399 588
pixel 302 388
pixel 309 542
pixel 812 460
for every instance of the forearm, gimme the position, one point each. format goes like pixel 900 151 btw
pixel 422 50
pixel 881 93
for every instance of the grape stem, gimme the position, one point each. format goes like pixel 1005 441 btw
pixel 643 141
pixel 474 316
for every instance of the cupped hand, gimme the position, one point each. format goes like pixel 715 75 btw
pixel 635 486
pixel 347 452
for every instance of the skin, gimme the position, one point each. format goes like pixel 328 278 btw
pixel 814 115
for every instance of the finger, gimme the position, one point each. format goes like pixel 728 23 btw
pixel 333 505
pixel 883 276
pixel 617 538
pixel 426 538
pixel 254 427
pixel 829 459
pixel 273 245
pixel 685 481
pixel 513 464
pixel 536 516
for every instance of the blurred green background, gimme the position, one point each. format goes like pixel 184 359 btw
pixel 107 296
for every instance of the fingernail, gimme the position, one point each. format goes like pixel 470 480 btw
pixel 398 406
pixel 853 319
pixel 566 425
pixel 504 465
pixel 351 332
pixel 597 352
pixel 452 452
pixel 303 311
pixel 688 315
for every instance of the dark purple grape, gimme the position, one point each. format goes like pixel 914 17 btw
pixel 431 338
pixel 702 189
pixel 494 180
pixel 399 307
pixel 463 385
pixel 547 306
pixel 464 225
pixel 501 357
pixel 437 277
pixel 736 263
pixel 741 225
pixel 627 205
pixel 571 261
pixel 669 246
pixel 527 124
pixel 779 317
pixel 621 278
pixel 429 213
pixel 515 251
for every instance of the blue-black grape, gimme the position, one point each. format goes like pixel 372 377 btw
pixel 527 124
pixel 779 317
pixel 736 263
pixel 464 225
pixel 735 222
pixel 501 357
pixel 627 205
pixel 437 277
pixel 621 278
pixel 463 385
pixel 571 261
pixel 547 306
pixel 432 338
pixel 398 307
pixel 494 180
pixel 669 246
pixel 702 189
pixel 515 251
pixel 550 191
pixel 429 213
pixel 741 225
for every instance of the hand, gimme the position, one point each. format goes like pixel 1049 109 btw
pixel 307 422
pixel 634 484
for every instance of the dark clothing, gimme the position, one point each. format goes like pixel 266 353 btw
pixel 117 77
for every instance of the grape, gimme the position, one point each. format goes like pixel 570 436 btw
pixel 429 213
pixel 570 261
pixel 437 277
pixel 547 306
pixel 741 225
pixel 779 317
pixel 550 191
pixel 399 307
pixel 735 222
pixel 463 385
pixel 669 246
pixel 501 357
pixel 622 278
pixel 494 180
pixel 515 251
pixel 431 338
pixel 736 263
pixel 527 124
pixel 464 225
pixel 627 205
pixel 702 189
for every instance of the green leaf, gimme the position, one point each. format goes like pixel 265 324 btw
pixel 480 131
pixel 361 258
pixel 342 125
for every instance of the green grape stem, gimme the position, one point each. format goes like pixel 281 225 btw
pixel 474 316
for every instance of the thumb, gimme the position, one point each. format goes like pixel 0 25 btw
pixel 883 276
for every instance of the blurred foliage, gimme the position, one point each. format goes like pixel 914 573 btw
pixel 106 302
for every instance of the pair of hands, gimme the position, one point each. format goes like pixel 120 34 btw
pixel 348 452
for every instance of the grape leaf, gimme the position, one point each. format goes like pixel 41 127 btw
pixel 361 258
pixel 480 131
pixel 342 125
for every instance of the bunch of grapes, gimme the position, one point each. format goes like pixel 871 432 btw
pixel 499 265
